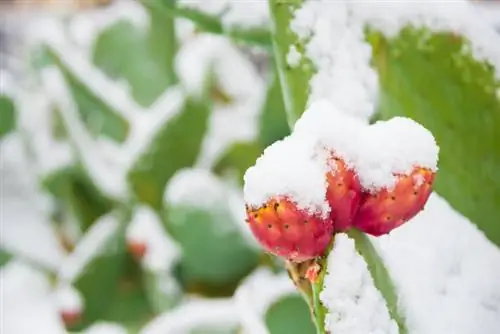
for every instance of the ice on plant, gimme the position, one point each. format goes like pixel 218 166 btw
pixel 160 251
pixel 354 304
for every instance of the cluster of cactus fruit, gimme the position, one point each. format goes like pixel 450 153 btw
pixel 285 229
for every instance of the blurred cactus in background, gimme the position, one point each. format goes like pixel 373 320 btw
pixel 126 128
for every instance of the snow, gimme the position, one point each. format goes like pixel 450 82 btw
pixel 256 294
pixel 335 44
pixel 233 13
pixel 24 229
pixel 445 271
pixel 293 56
pixel 206 57
pixel 90 246
pixel 105 328
pixel 27 306
pixel 377 152
pixel 333 33
pixel 292 167
pixel 195 187
pixel 194 314
pixel 162 251
pixel 68 299
pixel 85 26
pixel 354 304
pixel 246 14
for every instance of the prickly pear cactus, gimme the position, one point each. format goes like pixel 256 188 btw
pixel 254 167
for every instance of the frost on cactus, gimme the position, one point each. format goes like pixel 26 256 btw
pixel 336 172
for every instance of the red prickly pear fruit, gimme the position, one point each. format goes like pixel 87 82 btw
pixel 137 249
pixel 70 318
pixel 286 231
pixel 343 194
pixel 385 210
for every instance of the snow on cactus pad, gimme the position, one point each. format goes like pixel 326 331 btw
pixel 383 170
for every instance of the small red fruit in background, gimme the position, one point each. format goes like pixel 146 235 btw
pixel 383 211
pixel 70 318
pixel 284 230
pixel 343 194
pixel 137 249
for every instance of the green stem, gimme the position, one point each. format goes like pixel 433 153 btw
pixel 380 275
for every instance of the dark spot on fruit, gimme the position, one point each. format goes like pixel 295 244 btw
pixel 415 193
pixel 269 225
pixel 388 217
pixel 340 184
pixel 276 206
pixel 256 215
pixel 393 197
pixel 286 226
pixel 305 222
pixel 264 206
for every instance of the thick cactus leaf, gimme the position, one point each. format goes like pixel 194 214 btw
pixel 123 51
pixel 273 121
pixel 215 254
pixel 433 81
pixel 175 146
pixel 7 115
pixel 290 315
pixel 95 267
pixel 98 116
pixel 76 191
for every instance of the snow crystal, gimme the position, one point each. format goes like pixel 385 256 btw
pixel 192 314
pixel 105 328
pixel 293 56
pixel 447 283
pixel 161 251
pixel 256 294
pixel 291 167
pixel 90 246
pixel 195 187
pixel 68 299
pixel 354 305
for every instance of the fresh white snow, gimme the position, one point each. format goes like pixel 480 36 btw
pixel 91 245
pixel 256 294
pixel 162 251
pixel 354 304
